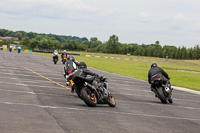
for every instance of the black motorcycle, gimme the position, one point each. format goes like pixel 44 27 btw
pixel 92 91
pixel 55 59
pixel 18 51
pixel 162 91
pixel 10 49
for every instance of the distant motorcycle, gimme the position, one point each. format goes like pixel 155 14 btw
pixel 64 58
pixel 18 51
pixel 10 49
pixel 163 92
pixel 92 91
pixel 55 58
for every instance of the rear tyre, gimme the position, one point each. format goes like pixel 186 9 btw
pixel 88 97
pixel 161 95
pixel 111 101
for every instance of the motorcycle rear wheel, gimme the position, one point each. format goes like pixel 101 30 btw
pixel 161 95
pixel 90 100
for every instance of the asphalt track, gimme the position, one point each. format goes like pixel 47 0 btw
pixel 34 99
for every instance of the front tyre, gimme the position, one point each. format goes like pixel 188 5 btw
pixel 88 97
pixel 111 101
pixel 170 99
pixel 161 95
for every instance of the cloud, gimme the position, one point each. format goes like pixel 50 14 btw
pixel 42 8
pixel 180 17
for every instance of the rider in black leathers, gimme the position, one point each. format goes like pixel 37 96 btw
pixel 85 72
pixel 157 72
pixel 64 53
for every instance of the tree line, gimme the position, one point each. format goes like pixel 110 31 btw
pixel 49 41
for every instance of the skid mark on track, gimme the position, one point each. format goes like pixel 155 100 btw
pixel 47 78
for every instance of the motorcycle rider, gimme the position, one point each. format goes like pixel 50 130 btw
pixel 64 53
pixel 72 58
pixel 55 53
pixel 10 49
pixel 157 72
pixel 70 67
pixel 85 72
pixel 19 49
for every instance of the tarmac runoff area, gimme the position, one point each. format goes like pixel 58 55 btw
pixel 34 98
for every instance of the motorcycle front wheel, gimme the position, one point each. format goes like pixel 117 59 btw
pixel 111 101
pixel 88 97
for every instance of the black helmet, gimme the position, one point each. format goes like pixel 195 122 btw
pixel 82 65
pixel 154 65
pixel 71 57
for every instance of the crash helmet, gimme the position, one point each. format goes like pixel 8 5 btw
pixel 154 65
pixel 64 51
pixel 82 65
pixel 55 52
pixel 71 57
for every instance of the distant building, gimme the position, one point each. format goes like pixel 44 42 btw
pixel 9 38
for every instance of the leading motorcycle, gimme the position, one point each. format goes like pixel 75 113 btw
pixel 162 91
pixel 55 57
pixel 92 91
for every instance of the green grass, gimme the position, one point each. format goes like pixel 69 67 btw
pixel 139 67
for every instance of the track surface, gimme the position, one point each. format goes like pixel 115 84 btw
pixel 30 103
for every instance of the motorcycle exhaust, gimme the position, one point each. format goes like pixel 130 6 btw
pixel 167 90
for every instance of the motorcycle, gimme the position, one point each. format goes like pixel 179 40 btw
pixel 18 51
pixel 64 58
pixel 55 58
pixel 92 91
pixel 10 49
pixel 162 91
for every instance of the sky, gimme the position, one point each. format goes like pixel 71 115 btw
pixel 171 22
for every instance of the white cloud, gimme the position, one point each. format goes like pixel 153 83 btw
pixel 144 15
pixel 181 17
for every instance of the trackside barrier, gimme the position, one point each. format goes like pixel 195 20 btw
pixel 95 56
pixel 7 49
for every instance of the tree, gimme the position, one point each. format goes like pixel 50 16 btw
pixel 178 53
pixel 172 52
pixel 196 52
pixel 25 42
pixel 157 50
pixel 33 43
pixel 9 33
pixel 43 44
pixel 92 39
pixel 112 46
pixel 73 45
pixel 139 51
pixel 31 35
pixel 184 53
pixel 18 35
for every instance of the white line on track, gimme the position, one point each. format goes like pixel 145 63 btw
pixel 102 111
pixel 155 104
pixel 119 101
pixel 128 94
